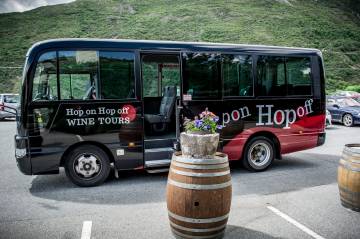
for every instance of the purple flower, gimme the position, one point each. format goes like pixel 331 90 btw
pixel 198 123
pixel 207 127
pixel 219 126
pixel 215 119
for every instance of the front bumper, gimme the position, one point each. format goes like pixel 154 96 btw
pixel 4 114
pixel 22 156
pixel 356 119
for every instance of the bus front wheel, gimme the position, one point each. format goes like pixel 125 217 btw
pixel 259 154
pixel 87 166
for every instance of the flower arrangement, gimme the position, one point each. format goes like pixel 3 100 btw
pixel 206 122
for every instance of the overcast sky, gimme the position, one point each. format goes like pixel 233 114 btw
pixel 26 5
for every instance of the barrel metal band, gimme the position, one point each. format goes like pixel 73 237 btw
pixel 182 235
pixel 347 165
pixel 353 148
pixel 352 205
pixel 197 229
pixel 352 157
pixel 200 175
pixel 193 166
pixel 197 220
pixel 215 160
pixel 199 186
pixel 348 191
pixel 350 202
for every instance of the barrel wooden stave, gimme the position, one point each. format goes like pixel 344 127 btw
pixel 349 178
pixel 204 203
pixel 199 213
pixel 197 180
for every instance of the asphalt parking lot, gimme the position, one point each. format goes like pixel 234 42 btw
pixel 296 198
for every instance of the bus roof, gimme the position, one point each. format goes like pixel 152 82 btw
pixel 148 45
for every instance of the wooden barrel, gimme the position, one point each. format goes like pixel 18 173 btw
pixel 199 196
pixel 349 177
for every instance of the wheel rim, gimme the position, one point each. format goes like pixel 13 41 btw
pixel 259 154
pixel 87 166
pixel 347 120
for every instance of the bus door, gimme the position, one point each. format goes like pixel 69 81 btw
pixel 161 93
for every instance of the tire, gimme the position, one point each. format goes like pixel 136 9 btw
pixel 87 166
pixel 267 150
pixel 348 120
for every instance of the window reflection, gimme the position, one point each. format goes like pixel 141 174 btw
pixel 237 75
pixel 201 75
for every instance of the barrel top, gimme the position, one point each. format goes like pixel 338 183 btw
pixel 219 158
pixel 353 148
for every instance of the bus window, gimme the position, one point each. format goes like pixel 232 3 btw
pixel 159 71
pixel 117 75
pixel 284 76
pixel 78 74
pixel 45 80
pixel 271 75
pixel 237 75
pixel 201 75
pixel 298 75
pixel 150 76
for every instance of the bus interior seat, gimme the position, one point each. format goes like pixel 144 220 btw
pixel 131 94
pixel 280 89
pixel 160 121
pixel 300 89
pixel 248 90
pixel 90 93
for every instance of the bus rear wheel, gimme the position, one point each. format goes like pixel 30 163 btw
pixel 259 154
pixel 87 166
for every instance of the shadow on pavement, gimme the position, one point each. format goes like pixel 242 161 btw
pixel 294 172
pixel 331 128
pixel 131 188
pixel 8 120
pixel 242 232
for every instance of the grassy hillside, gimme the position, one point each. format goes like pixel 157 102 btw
pixel 328 25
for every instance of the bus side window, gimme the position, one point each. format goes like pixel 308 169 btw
pixel 117 75
pixel 45 81
pixel 298 73
pixel 284 76
pixel 271 75
pixel 78 74
pixel 237 75
pixel 201 75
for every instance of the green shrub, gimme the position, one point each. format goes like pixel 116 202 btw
pixel 353 88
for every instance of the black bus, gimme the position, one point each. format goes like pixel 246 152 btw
pixel 88 104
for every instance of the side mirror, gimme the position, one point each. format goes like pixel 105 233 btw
pixel 336 106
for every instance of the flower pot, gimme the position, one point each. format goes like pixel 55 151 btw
pixel 199 145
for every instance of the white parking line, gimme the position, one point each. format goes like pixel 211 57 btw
pixel 295 223
pixel 86 230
